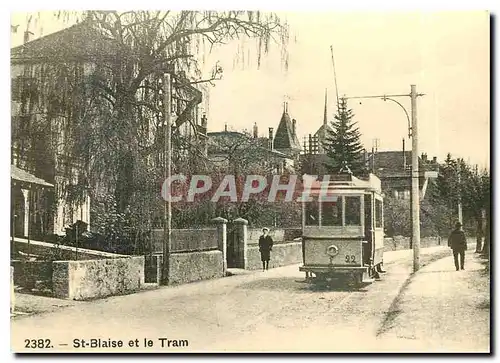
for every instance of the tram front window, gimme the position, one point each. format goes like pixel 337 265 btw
pixel 332 213
pixel 312 214
pixel 352 211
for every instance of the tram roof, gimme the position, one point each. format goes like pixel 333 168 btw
pixel 345 184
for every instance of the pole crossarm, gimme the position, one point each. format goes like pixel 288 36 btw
pixel 404 109
pixel 391 98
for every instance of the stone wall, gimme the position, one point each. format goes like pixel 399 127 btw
pixel 278 235
pixel 83 280
pixel 32 274
pixel 191 266
pixel 282 254
pixel 403 243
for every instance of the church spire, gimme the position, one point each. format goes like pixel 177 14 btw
pixel 325 116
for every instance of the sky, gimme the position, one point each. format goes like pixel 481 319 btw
pixel 445 54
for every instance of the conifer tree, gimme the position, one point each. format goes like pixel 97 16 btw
pixel 342 144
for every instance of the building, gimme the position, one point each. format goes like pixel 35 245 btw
pixel 276 153
pixel 285 140
pixel 394 170
pixel 43 123
pixel 240 150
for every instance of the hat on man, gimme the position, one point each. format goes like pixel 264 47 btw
pixel 265 229
pixel 458 225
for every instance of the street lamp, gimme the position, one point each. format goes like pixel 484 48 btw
pixel 415 197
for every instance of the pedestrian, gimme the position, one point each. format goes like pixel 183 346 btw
pixel 458 243
pixel 265 248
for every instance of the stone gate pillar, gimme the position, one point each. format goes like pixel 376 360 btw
pixel 26 222
pixel 222 240
pixel 242 238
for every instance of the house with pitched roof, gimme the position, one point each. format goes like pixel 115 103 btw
pixel 41 141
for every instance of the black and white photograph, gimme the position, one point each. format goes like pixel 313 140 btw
pixel 249 181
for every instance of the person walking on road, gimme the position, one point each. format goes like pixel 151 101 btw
pixel 458 243
pixel 265 248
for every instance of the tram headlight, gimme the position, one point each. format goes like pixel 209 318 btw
pixel 332 251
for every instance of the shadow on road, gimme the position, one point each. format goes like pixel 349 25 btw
pixel 294 284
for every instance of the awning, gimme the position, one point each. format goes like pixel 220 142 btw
pixel 25 177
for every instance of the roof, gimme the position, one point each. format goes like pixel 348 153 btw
pixel 80 41
pixel 285 138
pixel 322 132
pixel 261 143
pixel 25 177
pixel 391 160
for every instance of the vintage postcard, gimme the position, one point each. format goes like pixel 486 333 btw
pixel 249 181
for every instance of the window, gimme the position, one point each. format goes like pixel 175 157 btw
pixel 22 86
pixel 312 214
pixel 332 213
pixel 378 213
pixel 352 211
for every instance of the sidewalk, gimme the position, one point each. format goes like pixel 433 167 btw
pixel 443 310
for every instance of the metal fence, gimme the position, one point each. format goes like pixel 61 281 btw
pixel 187 240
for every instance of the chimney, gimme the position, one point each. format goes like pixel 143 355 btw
pixel 404 156
pixel 225 127
pixel 255 131
pixel 294 127
pixel 271 138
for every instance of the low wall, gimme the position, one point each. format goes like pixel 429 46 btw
pixel 282 254
pixel 397 243
pixel 61 252
pixel 83 280
pixel 278 235
pixel 32 274
pixel 189 267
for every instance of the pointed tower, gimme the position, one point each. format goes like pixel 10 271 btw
pixel 322 132
pixel 286 139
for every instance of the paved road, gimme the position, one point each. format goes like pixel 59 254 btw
pixel 263 311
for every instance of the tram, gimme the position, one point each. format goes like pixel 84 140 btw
pixel 342 229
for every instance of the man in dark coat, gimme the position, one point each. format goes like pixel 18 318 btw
pixel 265 248
pixel 458 244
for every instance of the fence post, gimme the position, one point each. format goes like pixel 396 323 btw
pixel 12 291
pixel 222 240
pixel 159 264
pixel 242 235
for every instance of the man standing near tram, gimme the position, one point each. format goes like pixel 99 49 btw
pixel 458 243
pixel 265 248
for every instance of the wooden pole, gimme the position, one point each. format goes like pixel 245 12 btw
pixel 167 226
pixel 415 205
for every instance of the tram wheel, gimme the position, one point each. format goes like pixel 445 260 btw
pixel 358 279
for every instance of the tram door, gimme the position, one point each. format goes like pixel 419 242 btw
pixel 369 230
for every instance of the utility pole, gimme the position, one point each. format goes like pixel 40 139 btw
pixel 415 206
pixel 415 190
pixel 459 192
pixel 167 223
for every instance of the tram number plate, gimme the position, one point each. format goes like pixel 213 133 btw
pixel 350 258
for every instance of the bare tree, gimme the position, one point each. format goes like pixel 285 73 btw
pixel 102 98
